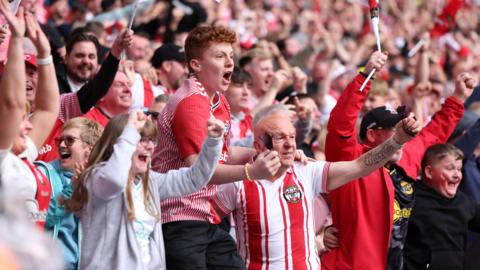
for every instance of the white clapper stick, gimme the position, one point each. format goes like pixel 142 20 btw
pixel 130 23
pixel 376 32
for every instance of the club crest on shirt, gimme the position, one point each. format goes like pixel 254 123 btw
pixel 406 188
pixel 292 194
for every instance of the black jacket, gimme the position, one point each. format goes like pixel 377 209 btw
pixel 90 93
pixel 437 230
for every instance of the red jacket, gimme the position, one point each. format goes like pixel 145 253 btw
pixel 362 210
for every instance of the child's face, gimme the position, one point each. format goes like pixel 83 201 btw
pixel 445 176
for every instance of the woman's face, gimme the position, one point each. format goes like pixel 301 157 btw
pixel 72 149
pixel 19 143
pixel 143 155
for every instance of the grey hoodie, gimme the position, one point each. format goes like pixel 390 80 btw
pixel 108 236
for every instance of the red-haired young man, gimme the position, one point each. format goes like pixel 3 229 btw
pixel 192 238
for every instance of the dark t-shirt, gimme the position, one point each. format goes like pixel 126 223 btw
pixel 402 209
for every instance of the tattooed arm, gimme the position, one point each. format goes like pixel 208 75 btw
pixel 340 173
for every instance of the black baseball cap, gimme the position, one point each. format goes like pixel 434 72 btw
pixel 166 52
pixel 380 118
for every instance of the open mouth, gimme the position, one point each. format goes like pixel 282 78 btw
pixel 65 155
pixel 227 76
pixel 29 88
pixel 143 157
pixel 452 184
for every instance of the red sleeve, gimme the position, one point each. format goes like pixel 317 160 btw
pixel 189 124
pixel 437 131
pixel 341 143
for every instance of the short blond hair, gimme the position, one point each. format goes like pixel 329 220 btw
pixel 90 131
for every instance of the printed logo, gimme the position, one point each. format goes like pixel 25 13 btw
pixel 406 187
pixel 45 149
pixel 399 213
pixel 292 194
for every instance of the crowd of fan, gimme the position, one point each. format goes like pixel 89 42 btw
pixel 233 134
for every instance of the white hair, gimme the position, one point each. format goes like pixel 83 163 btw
pixel 267 111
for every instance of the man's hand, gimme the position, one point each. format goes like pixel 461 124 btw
pixel 464 85
pixel 215 127
pixel 121 43
pixel 301 157
pixel 376 61
pixel 36 35
pixel 16 22
pixel 299 80
pixel 303 112
pixel 281 79
pixel 330 239
pixel 406 129
pixel 265 166
pixel 421 90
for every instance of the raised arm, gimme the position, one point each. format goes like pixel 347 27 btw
pixel 47 102
pixel 341 173
pixel 96 88
pixel 176 183
pixel 341 143
pixel 423 67
pixel 441 126
pixel 111 178
pixel 279 80
pixel 12 84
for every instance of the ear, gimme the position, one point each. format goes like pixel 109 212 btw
pixel 370 136
pixel 195 65
pixel 167 66
pixel 259 147
pixel 428 172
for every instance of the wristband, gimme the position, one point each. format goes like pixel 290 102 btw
pixel 365 75
pixel 245 169
pixel 45 61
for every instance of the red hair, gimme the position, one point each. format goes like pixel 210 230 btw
pixel 200 38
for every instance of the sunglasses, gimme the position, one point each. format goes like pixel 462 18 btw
pixel 154 115
pixel 69 140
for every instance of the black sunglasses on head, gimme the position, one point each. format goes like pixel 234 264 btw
pixel 154 115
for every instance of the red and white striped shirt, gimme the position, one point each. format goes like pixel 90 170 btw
pixel 182 129
pixel 274 219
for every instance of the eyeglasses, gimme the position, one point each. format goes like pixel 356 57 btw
pixel 277 138
pixel 69 140
pixel 145 140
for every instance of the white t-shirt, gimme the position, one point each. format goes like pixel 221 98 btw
pixel 74 86
pixel 138 92
pixel 143 224
pixel 274 220
pixel 17 177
